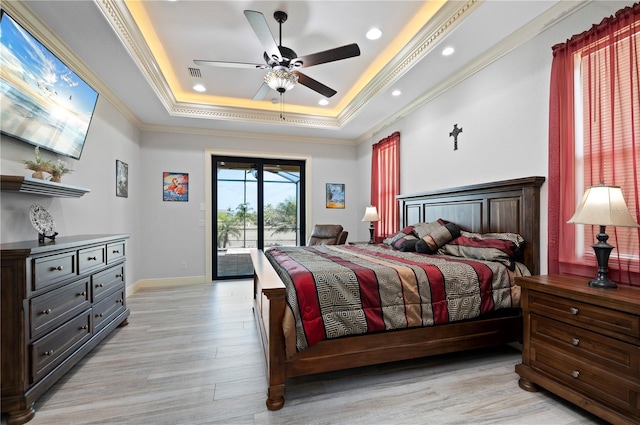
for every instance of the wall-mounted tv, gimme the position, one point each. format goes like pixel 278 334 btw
pixel 42 101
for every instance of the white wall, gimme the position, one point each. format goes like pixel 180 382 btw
pixel 111 136
pixel 171 230
pixel 503 111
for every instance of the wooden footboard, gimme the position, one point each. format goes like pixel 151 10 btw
pixel 269 296
pixel 508 206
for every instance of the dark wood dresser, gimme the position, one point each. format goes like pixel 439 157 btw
pixel 59 300
pixel 583 344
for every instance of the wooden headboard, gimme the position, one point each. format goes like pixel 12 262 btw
pixel 503 206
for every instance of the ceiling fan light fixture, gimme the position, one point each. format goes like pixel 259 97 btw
pixel 280 79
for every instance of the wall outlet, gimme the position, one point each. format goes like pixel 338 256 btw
pixel 183 265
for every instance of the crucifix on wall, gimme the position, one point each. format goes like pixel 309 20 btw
pixel 455 133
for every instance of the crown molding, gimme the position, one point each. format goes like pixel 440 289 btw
pixel 551 17
pixel 125 27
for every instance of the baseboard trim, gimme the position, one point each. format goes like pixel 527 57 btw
pixel 164 282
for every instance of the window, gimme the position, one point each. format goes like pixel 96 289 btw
pixel 593 138
pixel 385 185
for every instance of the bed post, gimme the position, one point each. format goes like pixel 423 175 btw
pixel 269 296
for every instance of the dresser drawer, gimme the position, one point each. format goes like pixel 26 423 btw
pixel 115 252
pixel 107 309
pixel 587 378
pixel 91 258
pixel 53 269
pixel 52 349
pixel 49 310
pixel 610 353
pixel 104 282
pixel 589 316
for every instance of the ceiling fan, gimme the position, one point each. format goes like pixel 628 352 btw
pixel 283 62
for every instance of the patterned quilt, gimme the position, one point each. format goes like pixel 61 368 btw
pixel 340 290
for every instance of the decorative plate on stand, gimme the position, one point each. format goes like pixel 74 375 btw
pixel 42 221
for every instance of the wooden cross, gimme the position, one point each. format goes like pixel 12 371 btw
pixel 455 133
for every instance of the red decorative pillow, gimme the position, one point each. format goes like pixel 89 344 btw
pixel 502 247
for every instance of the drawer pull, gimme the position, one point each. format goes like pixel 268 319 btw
pixel 573 311
pixel 119 276
pixel 99 285
pixel 47 311
pixel 91 258
pixel 99 315
pixel 118 301
pixel 115 251
pixel 575 341
pixel 575 373
pixel 82 294
pixel 48 353
pixel 84 327
pixel 58 268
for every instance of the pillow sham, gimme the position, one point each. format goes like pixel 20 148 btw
pixel 404 240
pixel 434 235
pixel 501 247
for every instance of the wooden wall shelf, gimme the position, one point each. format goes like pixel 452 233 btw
pixel 33 186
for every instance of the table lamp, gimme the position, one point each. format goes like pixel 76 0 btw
pixel 371 215
pixel 603 206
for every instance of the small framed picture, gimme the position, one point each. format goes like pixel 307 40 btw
pixel 175 187
pixel 122 179
pixel 335 195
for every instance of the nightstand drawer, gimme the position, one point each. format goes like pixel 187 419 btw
pixel 617 356
pixel 589 316
pixel 53 308
pixel 587 378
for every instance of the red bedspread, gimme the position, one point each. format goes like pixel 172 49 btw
pixel 339 290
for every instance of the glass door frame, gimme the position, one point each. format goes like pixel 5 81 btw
pixel 259 163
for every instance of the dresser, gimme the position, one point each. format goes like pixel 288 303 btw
pixel 59 300
pixel 582 344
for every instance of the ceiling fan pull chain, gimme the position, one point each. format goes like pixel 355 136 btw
pixel 282 106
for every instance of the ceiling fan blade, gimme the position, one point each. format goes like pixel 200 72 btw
pixel 261 28
pixel 262 92
pixel 339 53
pixel 231 64
pixel 314 85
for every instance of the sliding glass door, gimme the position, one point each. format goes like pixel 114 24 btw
pixel 257 203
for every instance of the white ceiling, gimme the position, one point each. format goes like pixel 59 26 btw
pixel 143 68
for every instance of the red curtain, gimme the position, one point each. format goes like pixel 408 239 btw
pixel 594 127
pixel 385 185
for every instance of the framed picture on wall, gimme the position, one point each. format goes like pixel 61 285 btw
pixel 175 186
pixel 122 179
pixel 335 195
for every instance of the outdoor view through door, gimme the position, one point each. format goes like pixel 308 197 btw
pixel 258 203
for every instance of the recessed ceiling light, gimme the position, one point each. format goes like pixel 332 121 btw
pixel 374 34
pixel 448 51
pixel 199 87
pixel 396 93
pixel 323 102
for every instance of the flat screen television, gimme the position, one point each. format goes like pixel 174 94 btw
pixel 42 101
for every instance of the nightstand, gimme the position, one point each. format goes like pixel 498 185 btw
pixel 582 344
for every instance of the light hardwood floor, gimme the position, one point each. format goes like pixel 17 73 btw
pixel 190 355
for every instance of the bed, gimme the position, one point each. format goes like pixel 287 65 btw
pixel 510 206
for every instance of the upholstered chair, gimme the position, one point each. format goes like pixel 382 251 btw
pixel 327 234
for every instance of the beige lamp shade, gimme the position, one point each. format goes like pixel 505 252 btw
pixel 371 214
pixel 603 206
